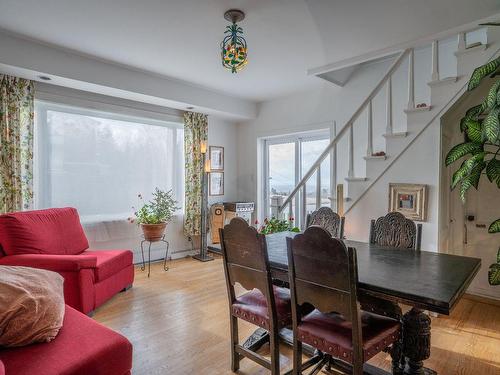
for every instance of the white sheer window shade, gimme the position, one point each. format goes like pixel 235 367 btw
pixel 99 162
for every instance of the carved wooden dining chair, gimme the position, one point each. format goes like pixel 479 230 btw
pixel 323 272
pixel 328 220
pixel 395 230
pixel 246 262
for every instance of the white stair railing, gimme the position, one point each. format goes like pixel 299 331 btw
pixel 300 188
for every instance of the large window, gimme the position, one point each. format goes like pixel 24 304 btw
pixel 99 162
pixel 286 160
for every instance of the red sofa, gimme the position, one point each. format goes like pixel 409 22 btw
pixel 53 239
pixel 82 347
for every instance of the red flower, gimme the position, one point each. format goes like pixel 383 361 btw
pixel 256 222
pixel 291 219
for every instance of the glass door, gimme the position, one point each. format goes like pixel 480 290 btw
pixel 281 176
pixel 286 160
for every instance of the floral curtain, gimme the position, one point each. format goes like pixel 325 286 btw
pixel 16 143
pixel 195 131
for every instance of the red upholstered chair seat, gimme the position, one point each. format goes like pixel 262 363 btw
pixel 331 333
pixel 110 262
pixel 252 307
pixel 82 347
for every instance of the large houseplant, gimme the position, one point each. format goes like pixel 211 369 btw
pixel 481 148
pixel 154 215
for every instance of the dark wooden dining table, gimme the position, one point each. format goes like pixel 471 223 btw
pixel 389 277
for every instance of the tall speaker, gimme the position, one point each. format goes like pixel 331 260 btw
pixel 216 221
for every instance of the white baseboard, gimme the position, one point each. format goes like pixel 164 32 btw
pixel 159 254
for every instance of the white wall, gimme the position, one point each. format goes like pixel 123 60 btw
pixel 419 165
pixel 224 133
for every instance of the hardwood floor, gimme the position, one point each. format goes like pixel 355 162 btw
pixel 178 323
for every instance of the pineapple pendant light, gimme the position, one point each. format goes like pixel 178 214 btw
pixel 234 46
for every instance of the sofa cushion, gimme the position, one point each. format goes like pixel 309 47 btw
pixel 110 262
pixel 50 231
pixel 32 305
pixel 82 347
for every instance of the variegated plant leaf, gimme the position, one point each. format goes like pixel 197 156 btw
pixel 459 175
pixel 471 114
pixel 493 170
pixel 494 274
pixel 491 99
pixel 472 180
pixel 479 73
pixel 474 131
pixel 491 125
pixel 495 228
pixel 461 150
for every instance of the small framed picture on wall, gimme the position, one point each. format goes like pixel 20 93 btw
pixel 216 183
pixel 409 199
pixel 217 158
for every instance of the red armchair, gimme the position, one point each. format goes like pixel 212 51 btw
pixel 54 239
pixel 82 347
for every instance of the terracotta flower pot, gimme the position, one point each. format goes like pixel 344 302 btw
pixel 153 232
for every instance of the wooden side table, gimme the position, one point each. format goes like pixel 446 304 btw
pixel 167 245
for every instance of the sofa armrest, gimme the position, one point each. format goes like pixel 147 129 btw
pixel 55 263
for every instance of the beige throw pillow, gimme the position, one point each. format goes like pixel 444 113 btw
pixel 31 305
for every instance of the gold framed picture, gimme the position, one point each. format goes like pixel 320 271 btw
pixel 216 183
pixel 409 200
pixel 216 158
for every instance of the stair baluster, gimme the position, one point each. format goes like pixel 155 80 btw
pixel 369 148
pixel 461 42
pixel 350 173
pixel 388 129
pixel 435 61
pixel 318 187
pixel 411 80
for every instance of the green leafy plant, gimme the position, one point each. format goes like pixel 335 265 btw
pixel 157 211
pixel 481 148
pixel 494 271
pixel 275 225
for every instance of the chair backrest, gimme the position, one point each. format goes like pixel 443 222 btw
pixel 395 230
pixel 323 273
pixel 244 251
pixel 54 231
pixel 328 220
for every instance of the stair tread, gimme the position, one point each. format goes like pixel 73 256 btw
pixel 443 81
pixel 356 179
pixel 480 47
pixel 373 157
pixel 420 109
pixel 395 135
pixel 346 199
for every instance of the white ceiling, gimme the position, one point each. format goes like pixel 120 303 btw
pixel 180 38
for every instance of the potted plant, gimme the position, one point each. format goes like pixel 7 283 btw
pixel 480 151
pixel 275 225
pixel 154 215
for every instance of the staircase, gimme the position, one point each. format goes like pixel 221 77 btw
pixel 443 92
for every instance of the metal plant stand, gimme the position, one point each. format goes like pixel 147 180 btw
pixel 167 245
